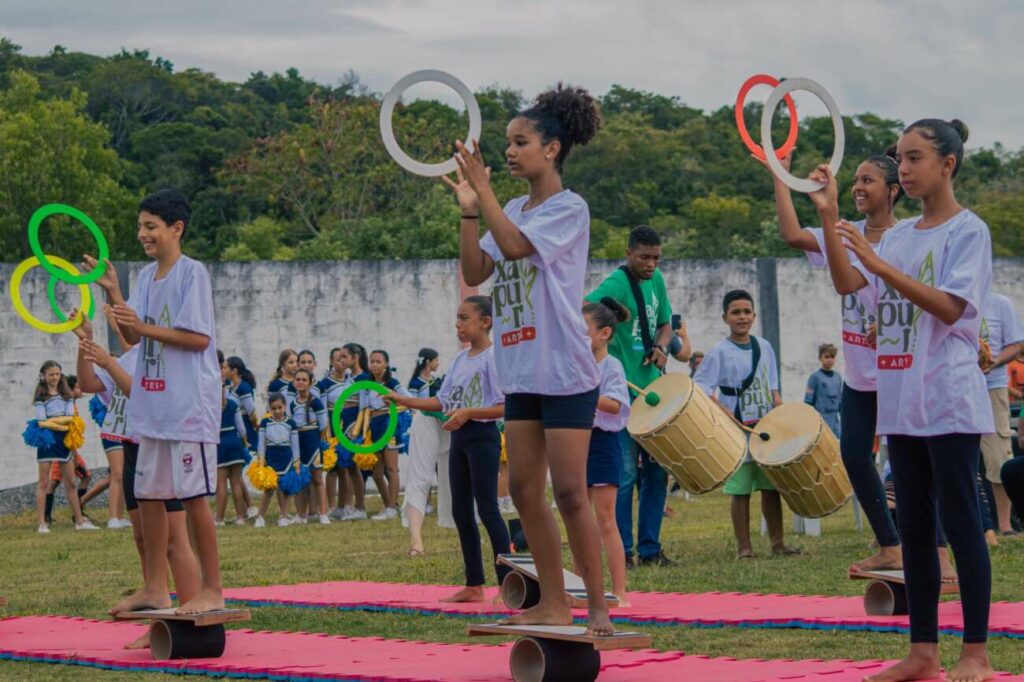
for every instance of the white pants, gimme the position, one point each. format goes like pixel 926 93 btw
pixel 428 462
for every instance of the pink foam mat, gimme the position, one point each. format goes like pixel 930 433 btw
pixel 306 656
pixel 706 609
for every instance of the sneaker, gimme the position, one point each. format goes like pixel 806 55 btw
pixel 259 522
pixel 338 513
pixel 356 515
pixel 325 520
pixel 239 522
pixel 658 559
pixel 126 523
pixel 114 524
pixel 312 517
pixel 505 505
pixel 85 525
pixel 219 524
pixel 297 520
pixel 252 513
pixel 284 521
pixel 386 515
pixel 43 529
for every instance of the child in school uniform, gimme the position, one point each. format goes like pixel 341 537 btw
pixel 231 454
pixel 473 403
pixel 279 449
pixel 331 387
pixel 53 398
pixel 825 388
pixel 604 460
pixel 385 474
pixel 741 374
pixel 287 363
pixel 310 417
pixel 927 283
pixel 241 389
pixel 353 361
pixel 175 407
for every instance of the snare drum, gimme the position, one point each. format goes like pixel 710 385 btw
pixel 801 459
pixel 688 434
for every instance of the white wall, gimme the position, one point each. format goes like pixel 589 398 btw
pixel 401 306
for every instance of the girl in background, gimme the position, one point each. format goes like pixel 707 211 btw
pixel 287 363
pixel 330 388
pixel 385 474
pixel 352 488
pixel 310 416
pixel 279 448
pixel 241 386
pixel 231 453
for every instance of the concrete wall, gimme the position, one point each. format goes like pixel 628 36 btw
pixel 402 306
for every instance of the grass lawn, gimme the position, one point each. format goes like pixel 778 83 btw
pixel 82 574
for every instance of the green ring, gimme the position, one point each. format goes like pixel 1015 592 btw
pixel 376 445
pixel 45 212
pixel 51 293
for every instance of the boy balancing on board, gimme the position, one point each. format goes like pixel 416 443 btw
pixel 175 404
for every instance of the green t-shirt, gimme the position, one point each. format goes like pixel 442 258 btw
pixel 627 344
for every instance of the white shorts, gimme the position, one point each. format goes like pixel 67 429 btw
pixel 175 470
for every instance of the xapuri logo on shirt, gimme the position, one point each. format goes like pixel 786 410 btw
pixel 153 355
pixel 513 303
pixel 897 322
pixel 856 317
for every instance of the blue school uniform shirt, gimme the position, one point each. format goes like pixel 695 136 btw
pixel 231 424
pixel 309 415
pixel 825 394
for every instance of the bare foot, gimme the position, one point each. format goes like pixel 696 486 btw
pixel 473 593
pixel 599 625
pixel 973 665
pixel 786 550
pixel 205 600
pixel 413 553
pixel 542 614
pixel 623 600
pixel 888 559
pixel 497 600
pixel 141 643
pixel 142 601
pixel 949 576
pixel 912 667
pixel 746 554
pixel 991 538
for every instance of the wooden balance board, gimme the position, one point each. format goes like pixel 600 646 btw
pixel 520 589
pixel 558 653
pixel 194 635
pixel 886 594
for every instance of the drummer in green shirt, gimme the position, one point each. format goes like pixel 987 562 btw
pixel 643 356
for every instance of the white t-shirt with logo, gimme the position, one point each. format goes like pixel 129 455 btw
pixel 728 364
pixel 929 382
pixel 115 424
pixel 613 385
pixel 999 327
pixel 471 381
pixel 176 392
pixel 540 338
pixel 857 313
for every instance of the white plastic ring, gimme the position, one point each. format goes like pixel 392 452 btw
pixel 387 131
pixel 784 88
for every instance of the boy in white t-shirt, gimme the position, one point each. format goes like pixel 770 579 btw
pixel 175 406
pixel 747 392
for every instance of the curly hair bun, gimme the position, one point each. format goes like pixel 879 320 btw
pixel 575 109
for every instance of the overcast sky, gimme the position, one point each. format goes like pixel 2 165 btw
pixel 905 60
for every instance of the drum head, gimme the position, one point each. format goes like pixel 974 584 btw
pixel 794 428
pixel 674 390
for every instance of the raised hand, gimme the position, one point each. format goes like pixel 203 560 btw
pixel 828 195
pixel 95 353
pixel 858 244
pixel 108 281
pixel 786 160
pixel 84 330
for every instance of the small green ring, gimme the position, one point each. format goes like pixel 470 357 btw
pixel 376 445
pixel 51 293
pixel 45 212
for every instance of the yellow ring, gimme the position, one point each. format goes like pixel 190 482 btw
pixel 19 307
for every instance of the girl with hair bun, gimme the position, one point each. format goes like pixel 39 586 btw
pixel 536 249
pixel 927 282
pixel 604 459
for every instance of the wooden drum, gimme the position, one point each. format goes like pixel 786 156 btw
pixel 687 433
pixel 801 459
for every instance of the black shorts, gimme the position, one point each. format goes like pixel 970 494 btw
pixel 554 411
pixel 131 458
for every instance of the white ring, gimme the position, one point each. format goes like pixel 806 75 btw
pixel 387 132
pixel 784 88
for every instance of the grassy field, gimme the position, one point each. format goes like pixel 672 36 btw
pixel 83 573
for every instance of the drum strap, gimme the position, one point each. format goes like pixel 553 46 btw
pixel 755 349
pixel 641 309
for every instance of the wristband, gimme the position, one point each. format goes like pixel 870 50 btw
pixel 471 217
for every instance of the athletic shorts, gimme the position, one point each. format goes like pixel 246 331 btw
pixel 110 444
pixel 604 460
pixel 173 469
pixel 995 447
pixel 131 457
pixel 747 479
pixel 554 411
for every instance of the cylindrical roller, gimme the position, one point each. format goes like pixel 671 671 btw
pixel 883 598
pixel 170 639
pixel 535 659
pixel 519 591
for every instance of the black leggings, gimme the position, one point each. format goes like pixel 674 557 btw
pixel 943 468
pixel 859 413
pixel 1013 482
pixel 473 463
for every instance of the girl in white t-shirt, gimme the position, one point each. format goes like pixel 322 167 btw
pixel 928 280
pixel 876 189
pixel 536 248
pixel 470 398
pixel 604 459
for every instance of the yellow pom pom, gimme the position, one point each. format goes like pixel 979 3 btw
pixel 75 437
pixel 262 477
pixel 330 458
pixel 365 461
pixel 504 450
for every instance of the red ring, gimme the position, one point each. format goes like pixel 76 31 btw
pixel 741 125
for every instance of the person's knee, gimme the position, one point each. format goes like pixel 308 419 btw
pixel 570 501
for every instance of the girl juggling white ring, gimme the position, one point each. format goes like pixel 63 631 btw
pixel 784 88
pixel 387 131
